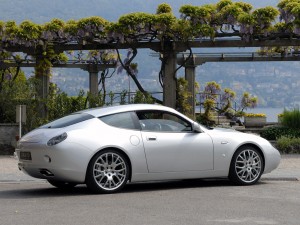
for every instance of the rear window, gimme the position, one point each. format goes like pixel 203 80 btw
pixel 68 120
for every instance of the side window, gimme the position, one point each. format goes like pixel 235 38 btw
pixel 120 120
pixel 162 121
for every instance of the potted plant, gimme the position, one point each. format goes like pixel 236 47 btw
pixel 279 117
pixel 256 120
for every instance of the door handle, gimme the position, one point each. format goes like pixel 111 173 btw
pixel 151 138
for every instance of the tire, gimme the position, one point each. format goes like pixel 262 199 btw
pixel 247 166
pixel 108 172
pixel 61 184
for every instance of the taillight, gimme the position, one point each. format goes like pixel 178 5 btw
pixel 57 139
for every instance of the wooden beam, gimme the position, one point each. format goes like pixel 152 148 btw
pixel 229 42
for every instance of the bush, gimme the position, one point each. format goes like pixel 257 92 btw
pixel 288 145
pixel 205 120
pixel 291 118
pixel 274 133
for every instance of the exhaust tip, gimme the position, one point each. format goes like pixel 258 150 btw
pixel 46 173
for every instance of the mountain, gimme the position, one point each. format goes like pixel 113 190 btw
pixel 276 84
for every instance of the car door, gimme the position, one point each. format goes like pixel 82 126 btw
pixel 171 145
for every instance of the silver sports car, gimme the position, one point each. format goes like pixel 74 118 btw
pixel 105 148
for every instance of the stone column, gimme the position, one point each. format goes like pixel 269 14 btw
pixel 169 80
pixel 190 77
pixel 93 78
pixel 42 74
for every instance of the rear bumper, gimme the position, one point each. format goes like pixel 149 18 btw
pixel 65 162
pixel 43 171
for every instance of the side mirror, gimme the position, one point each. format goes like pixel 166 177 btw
pixel 197 128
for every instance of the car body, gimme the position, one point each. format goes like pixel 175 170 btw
pixel 106 147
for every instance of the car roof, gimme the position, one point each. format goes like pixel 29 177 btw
pixel 107 110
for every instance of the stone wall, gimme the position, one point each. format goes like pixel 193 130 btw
pixel 8 134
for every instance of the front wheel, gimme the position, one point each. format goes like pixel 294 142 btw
pixel 107 172
pixel 247 166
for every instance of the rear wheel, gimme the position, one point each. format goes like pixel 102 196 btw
pixel 246 166
pixel 61 184
pixel 107 172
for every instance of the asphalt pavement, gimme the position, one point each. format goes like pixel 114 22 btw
pixel 288 170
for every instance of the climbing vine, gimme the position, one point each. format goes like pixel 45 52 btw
pixel 223 19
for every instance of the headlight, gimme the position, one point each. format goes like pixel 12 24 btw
pixel 57 139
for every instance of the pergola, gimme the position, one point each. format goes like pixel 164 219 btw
pixel 190 63
pixel 172 54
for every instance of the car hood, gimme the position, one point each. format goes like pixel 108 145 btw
pixel 231 134
pixel 218 129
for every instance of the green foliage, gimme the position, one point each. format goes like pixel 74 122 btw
pixel 2 26
pixel 183 96
pixel 232 11
pixel 229 96
pixel 60 104
pixel 246 7
pixel 288 145
pixel 29 30
pixel 132 24
pixel 14 90
pixel 203 13
pixel 265 16
pixel 223 3
pixel 123 97
pixel 209 105
pixel 290 126
pixel 204 120
pixel 275 132
pixel 71 27
pixel 208 20
pixel 94 21
pixel 206 117
pixel 164 8
pixel 139 97
pixel 94 27
pixel 54 25
pixel 94 101
pixel 248 101
pixel 133 19
pixel 218 100
pixel 283 27
pixel 291 119
pixel 246 18
pixel 164 21
pixel 11 30
pixel 288 4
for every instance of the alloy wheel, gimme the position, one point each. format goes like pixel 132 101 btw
pixel 248 165
pixel 110 171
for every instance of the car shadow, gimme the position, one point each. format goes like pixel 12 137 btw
pixel 174 184
pixel 44 190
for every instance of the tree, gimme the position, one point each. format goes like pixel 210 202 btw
pixel 220 101
pixel 13 91
pixel 182 97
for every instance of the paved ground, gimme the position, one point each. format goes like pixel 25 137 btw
pixel 289 169
pixel 274 201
